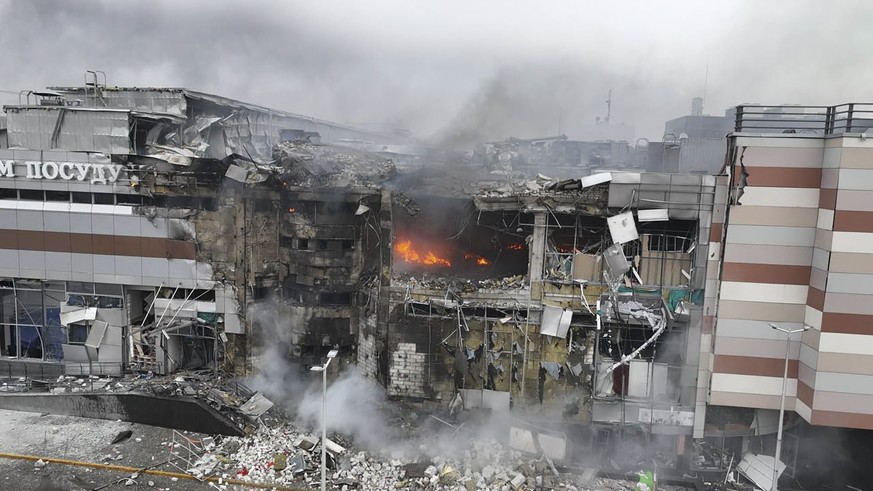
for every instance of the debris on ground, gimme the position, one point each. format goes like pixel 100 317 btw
pixel 121 436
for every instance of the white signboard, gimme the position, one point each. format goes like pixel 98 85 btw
pixel 67 171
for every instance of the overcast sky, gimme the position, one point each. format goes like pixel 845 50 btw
pixel 489 68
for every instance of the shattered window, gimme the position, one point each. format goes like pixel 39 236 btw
pixel 30 324
pixel 566 237
pixel 669 243
pixel 78 333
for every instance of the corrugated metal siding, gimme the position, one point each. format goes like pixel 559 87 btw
pixel 31 127
pixel 702 155
pixel 162 101
pixel 96 131
pixel 81 130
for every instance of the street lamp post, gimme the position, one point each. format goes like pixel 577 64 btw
pixel 788 333
pixel 323 369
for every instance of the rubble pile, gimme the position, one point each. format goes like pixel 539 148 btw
pixel 14 385
pixel 308 164
pixel 226 395
pixel 285 456
pixel 458 285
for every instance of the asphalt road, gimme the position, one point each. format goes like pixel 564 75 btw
pixel 88 440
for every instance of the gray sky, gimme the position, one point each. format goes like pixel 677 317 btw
pixel 487 68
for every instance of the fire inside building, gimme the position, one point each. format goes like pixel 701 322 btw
pixel 167 229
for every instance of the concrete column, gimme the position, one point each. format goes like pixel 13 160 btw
pixel 537 249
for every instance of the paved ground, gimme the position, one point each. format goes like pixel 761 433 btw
pixel 82 439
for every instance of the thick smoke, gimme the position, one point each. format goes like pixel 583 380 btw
pixel 551 99
pixel 498 69
pixel 355 406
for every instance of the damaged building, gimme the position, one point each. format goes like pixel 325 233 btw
pixel 164 229
pixel 574 301
pixel 134 236
pixel 156 229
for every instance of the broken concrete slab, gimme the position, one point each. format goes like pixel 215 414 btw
pixel 333 447
pixel 256 406
pixel 306 442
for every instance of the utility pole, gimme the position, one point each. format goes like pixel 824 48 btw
pixel 788 333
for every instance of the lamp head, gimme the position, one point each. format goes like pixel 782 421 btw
pixel 318 368
pixel 774 326
pixel 332 353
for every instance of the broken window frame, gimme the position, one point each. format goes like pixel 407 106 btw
pixel 556 261
pixel 40 318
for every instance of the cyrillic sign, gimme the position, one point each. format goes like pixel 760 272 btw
pixel 68 171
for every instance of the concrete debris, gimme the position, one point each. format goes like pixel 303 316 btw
pixel 39 464
pixel 333 448
pixel 256 406
pixel 280 461
pixel 429 282
pixel 121 436
pixel 227 395
pixel 305 164
pixel 306 442
pixel 405 202
pixel 275 456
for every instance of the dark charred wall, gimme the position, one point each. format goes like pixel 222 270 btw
pixel 309 251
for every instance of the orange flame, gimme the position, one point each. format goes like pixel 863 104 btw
pixel 410 255
pixel 292 210
pixel 514 247
pixel 481 261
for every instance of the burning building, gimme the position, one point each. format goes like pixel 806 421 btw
pixel 161 229
pixel 575 302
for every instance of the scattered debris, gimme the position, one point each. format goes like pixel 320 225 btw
pixel 256 406
pixel 121 436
